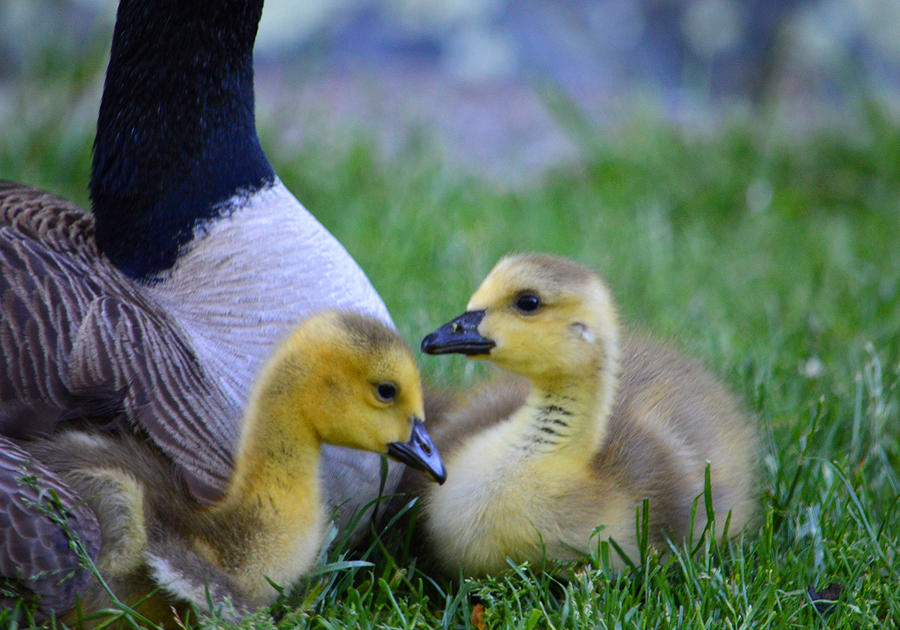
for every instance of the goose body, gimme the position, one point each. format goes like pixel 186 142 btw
pixel 597 421
pixel 164 301
pixel 341 378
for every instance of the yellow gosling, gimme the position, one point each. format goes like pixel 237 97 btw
pixel 603 421
pixel 340 379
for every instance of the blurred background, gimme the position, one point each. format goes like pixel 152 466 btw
pixel 486 80
pixel 724 161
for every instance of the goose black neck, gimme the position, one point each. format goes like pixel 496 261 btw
pixel 176 134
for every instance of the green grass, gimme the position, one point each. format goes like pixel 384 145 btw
pixel 790 292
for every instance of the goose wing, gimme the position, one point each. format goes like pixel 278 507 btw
pixel 40 519
pixel 168 395
pixel 70 323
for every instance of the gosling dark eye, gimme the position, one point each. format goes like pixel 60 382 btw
pixel 528 303
pixel 385 391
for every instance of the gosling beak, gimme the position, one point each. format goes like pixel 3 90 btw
pixel 459 336
pixel 419 452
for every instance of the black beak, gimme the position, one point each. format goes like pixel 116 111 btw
pixel 419 452
pixel 459 336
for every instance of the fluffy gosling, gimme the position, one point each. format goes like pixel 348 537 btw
pixel 602 421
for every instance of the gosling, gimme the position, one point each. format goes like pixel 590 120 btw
pixel 341 379
pixel 598 424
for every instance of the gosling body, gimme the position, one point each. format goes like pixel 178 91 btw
pixel 599 421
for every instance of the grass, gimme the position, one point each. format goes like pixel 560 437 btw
pixel 773 258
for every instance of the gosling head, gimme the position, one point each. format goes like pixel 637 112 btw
pixel 536 315
pixel 356 383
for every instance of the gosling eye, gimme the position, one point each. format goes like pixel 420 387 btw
pixel 385 392
pixel 527 303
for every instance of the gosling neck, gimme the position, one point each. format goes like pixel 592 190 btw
pixel 269 524
pixel 569 414
pixel 275 473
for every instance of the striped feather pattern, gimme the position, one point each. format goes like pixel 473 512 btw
pixel 71 323
pixel 33 547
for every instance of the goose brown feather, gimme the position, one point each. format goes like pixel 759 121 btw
pixel 87 324
pixel 34 550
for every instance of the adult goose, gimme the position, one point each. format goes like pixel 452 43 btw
pixel 600 421
pixel 340 378
pixel 163 302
